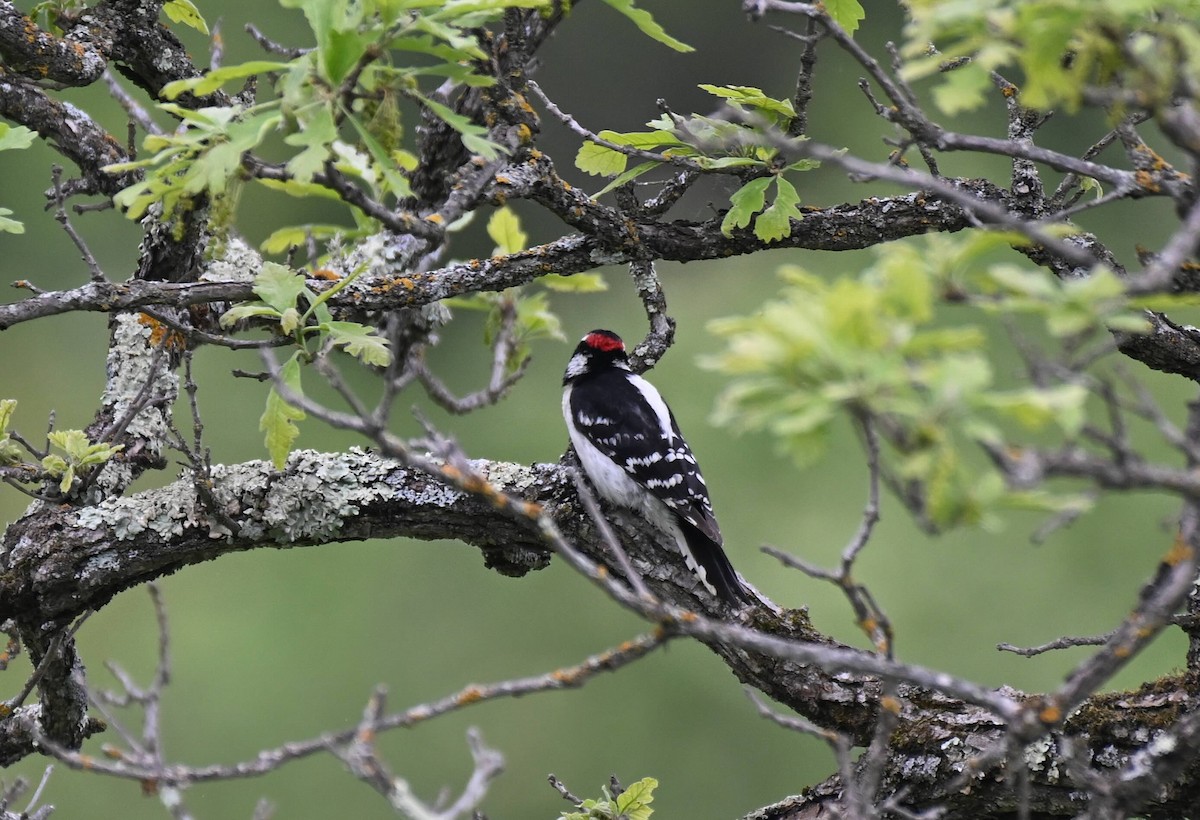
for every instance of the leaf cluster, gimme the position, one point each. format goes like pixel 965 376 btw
pixel 335 105
pixel 75 456
pixel 631 804
pixel 1133 51
pixel 715 144
pixel 525 313
pixel 286 301
pixel 875 346
pixel 13 137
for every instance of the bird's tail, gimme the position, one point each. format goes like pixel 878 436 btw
pixel 709 561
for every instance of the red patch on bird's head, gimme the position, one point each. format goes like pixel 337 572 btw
pixel 604 340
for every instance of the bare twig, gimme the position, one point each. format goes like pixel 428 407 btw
pixel 870 617
pixel 609 537
pixel 60 216
pixel 590 136
pixel 57 643
pixel 268 760
pixel 1066 642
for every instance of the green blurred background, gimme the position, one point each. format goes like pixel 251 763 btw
pixel 276 646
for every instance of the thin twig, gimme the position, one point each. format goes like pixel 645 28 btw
pixel 96 274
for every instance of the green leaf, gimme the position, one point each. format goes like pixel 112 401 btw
pixel 68 478
pixel 752 97
pixel 72 442
pixel 634 801
pixel 630 175
pixel 7 407
pixel 279 417
pixel 10 225
pixel 80 453
pixel 1025 282
pixel 294 236
pixel 11 453
pixel 184 11
pixel 317 131
pixel 239 312
pixel 210 82
pixel 360 341
pixel 278 286
pixel 1035 408
pixel 504 227
pixel 776 221
pixel 598 160
pixel 846 13
pixel 964 89
pixel 646 24
pixel 55 465
pixel 289 320
pixel 14 137
pixel 535 320
pixel 342 52
pixel 575 283
pixel 299 189
pixel 646 140
pixel 746 202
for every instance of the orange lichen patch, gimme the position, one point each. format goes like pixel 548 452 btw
pixel 502 180
pixel 112 752
pixel 889 704
pixel 436 219
pixel 531 509
pixel 149 787
pixel 1008 90
pixel 535 154
pixel 5 710
pixel 524 133
pixel 1123 651
pixel 326 274
pixel 161 335
pixel 568 677
pixel 472 694
pixel 1050 714
pixel 365 735
pixel 389 285
pixel 1146 180
pixel 1156 160
pixel 1180 552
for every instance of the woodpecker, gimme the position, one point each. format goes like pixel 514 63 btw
pixel 633 453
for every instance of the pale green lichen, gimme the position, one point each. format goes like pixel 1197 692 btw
pixel 237 262
pixel 130 364
pixel 309 502
pixel 514 479
pixel 1040 756
pixel 318 492
pixel 166 511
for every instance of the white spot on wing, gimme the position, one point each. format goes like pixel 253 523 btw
pixel 655 400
